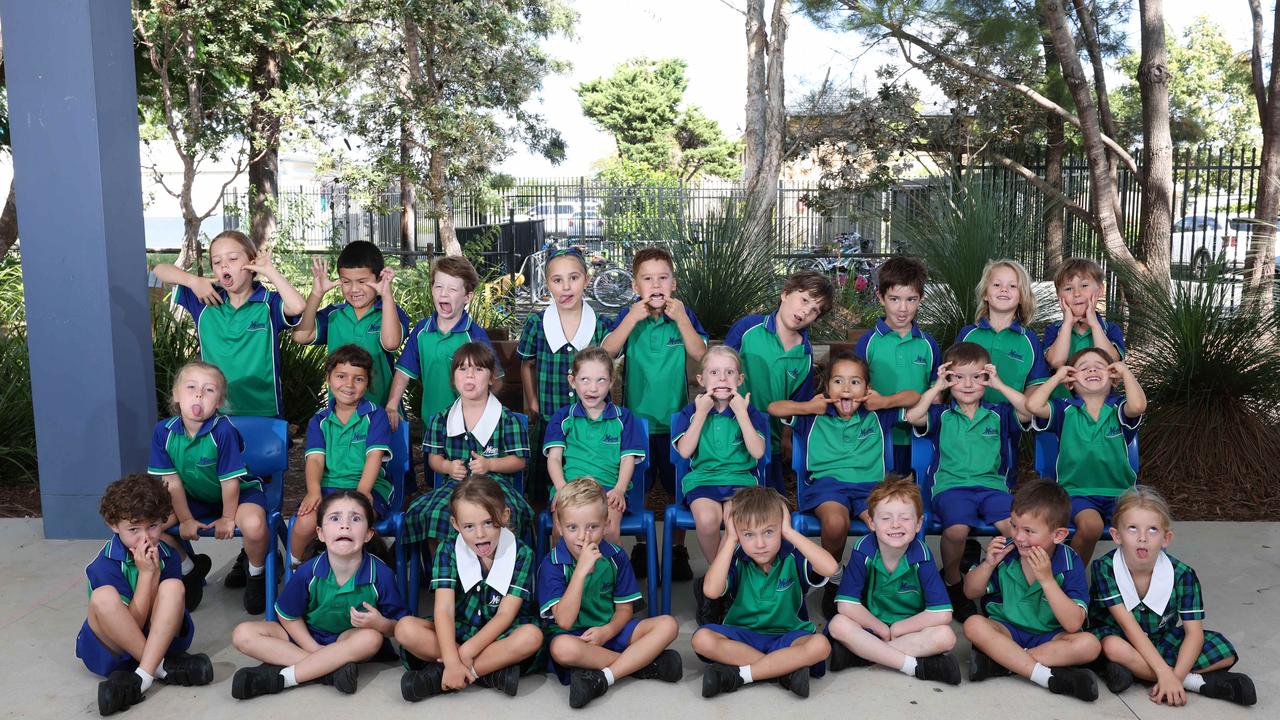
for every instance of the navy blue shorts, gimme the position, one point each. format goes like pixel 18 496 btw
pixel 1105 506
pixel 380 504
pixel 820 490
pixel 660 467
pixel 99 658
pixel 618 643
pixel 719 493
pixel 902 459
pixel 1027 640
pixel 202 510
pixel 763 643
pixel 972 506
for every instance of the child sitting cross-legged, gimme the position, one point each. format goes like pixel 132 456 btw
pixel 1037 597
pixel 586 591
pixel 893 607
pixel 768 568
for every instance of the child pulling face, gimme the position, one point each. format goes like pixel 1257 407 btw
pixel 198 393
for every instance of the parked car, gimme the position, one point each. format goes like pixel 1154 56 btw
pixel 567 218
pixel 1199 240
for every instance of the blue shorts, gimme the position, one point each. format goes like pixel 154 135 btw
pixel 820 490
pixel 99 658
pixel 202 510
pixel 1027 640
pixel 1105 506
pixel 972 506
pixel 763 643
pixel 719 493
pixel 618 643
pixel 380 504
pixel 902 460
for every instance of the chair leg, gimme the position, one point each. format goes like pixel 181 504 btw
pixel 271 569
pixel 415 577
pixel 668 520
pixel 651 559
pixel 544 534
pixel 402 577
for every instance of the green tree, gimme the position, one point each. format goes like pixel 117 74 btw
pixel 640 106
pixel 1209 95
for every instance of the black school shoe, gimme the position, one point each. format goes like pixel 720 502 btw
pixel 187 670
pixel 962 608
pixel 416 685
pixel 1235 687
pixel 972 555
pixel 942 667
pixel 667 667
pixel 343 679
pixel 585 686
pixel 1073 681
pixel 120 690
pixel 982 667
pixel 797 681
pixel 680 568
pixel 252 682
pixel 194 580
pixel 842 657
pixel 720 678
pixel 507 680
pixel 239 572
pixel 1118 677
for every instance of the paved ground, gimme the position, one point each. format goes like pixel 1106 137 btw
pixel 42 605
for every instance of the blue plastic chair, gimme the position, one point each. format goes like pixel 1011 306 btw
pixel 1047 464
pixel 678 516
pixel 266 455
pixel 392 525
pixel 924 461
pixel 807 523
pixel 414 551
pixel 637 522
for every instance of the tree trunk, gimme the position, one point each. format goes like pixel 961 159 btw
pixel 264 149
pixel 440 198
pixel 9 221
pixel 1262 242
pixel 410 77
pixel 1054 225
pixel 1157 147
pixel 1089 33
pixel 766 115
pixel 753 136
pixel 189 254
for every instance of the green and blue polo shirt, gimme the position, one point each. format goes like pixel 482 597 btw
pixel 771 603
pixel 337 325
pixel 1013 599
pixel 345 445
pixel 912 587
pixel 244 343
pixel 596 447
pixel 313 594
pixel 772 373
pixel 853 450
pixel 611 583
pixel 477 594
pixel 1080 341
pixel 428 355
pixel 971 452
pixel 114 567
pixel 203 462
pixel 543 340
pixel 1015 351
pixel 899 362
pixel 1093 455
pixel 656 385
pixel 722 457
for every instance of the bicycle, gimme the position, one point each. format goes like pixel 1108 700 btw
pixel 610 283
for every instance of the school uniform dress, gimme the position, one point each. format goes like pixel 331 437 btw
pixel 428 355
pixel 595 447
pixel 845 457
pixel 203 462
pixel 971 468
pixel 655 382
pixel 1172 598
pixel 114 567
pixel 1093 455
pixel 338 325
pixel 497 434
pixel 1020 606
pixel 346 445
pixel 314 595
pixel 912 587
pixel 244 343
pixel 768 609
pixel 897 363
pixel 772 373
pixel 1081 340
pixel 721 463
pixel 610 584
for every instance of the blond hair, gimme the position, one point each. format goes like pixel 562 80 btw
pixel 197 365
pixel 1142 497
pixel 580 493
pixel 1026 309
pixel 724 350
pixel 754 506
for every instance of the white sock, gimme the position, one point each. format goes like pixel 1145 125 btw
pixel 1040 675
pixel 187 565
pixel 147 678
pixel 160 674
pixel 255 570
pixel 908 666
pixel 836 576
pixel 608 676
pixel 1193 682
pixel 745 672
pixel 288 675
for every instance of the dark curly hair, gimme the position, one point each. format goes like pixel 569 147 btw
pixel 135 497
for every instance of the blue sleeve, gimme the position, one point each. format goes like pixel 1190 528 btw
pixel 186 299
pixel 731 580
pixel 315 436
pixel 937 358
pixel 634 440
pixel 889 418
pixel 322 325
pixel 625 587
pixel 390 604
pixel 617 320
pixel 551 586
pixel 105 572
pixel 553 435
pixel 1128 423
pixel 230 451
pixel 379 437
pixel 680 423
pixel 405 322
pixel 1116 335
pixel 808 577
pixel 172 569
pixel 933 588
pixel 279 321
pixel 734 338
pixel 408 362
pixel 933 422
pixel 854 580
pixel 800 425
pixel 292 603
pixel 1039 367
pixel 696 323
pixel 864 341
pixel 1074 582
pixel 1051 334
pixel 759 421
pixel 160 462
pixel 1057 406
pixel 964 332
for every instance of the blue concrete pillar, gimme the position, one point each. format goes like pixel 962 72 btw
pixel 73 110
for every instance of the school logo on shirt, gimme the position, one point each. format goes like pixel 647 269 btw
pixel 1015 355
pixel 674 342
pixel 908 586
pixel 359 436
pixel 374 329
pixel 611 439
pixel 490 451
pixel 494 600
pixel 1113 430
pixel 256 325
pixel 784 584
pixel 990 432
pixel 920 360
pixel 793 373
pixel 203 461
pixel 865 433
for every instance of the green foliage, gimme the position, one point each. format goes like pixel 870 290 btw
pixel 173 343
pixel 18 451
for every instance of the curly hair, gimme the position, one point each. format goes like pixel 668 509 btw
pixel 135 497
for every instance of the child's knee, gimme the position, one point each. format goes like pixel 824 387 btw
pixel 665 626
pixel 817 647
pixel 1088 519
pixel 411 630
pixel 253 524
pixel 941 637
pixel 104 599
pixel 527 638
pixel 243 635
pixel 171 590
pixel 703 641
pixel 566 649
pixel 977 626
pixel 956 533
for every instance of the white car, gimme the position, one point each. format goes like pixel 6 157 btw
pixel 1199 240
pixel 568 218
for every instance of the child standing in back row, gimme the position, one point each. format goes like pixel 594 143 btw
pixel 1079 282
pixel 1006 305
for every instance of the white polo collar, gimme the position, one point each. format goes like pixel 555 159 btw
pixel 483 431
pixel 470 571
pixel 554 331
pixel 1158 592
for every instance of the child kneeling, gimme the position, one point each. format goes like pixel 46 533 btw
pixel 586 588
pixel 768 568
pixel 893 608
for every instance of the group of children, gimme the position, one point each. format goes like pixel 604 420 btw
pixel 890 603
